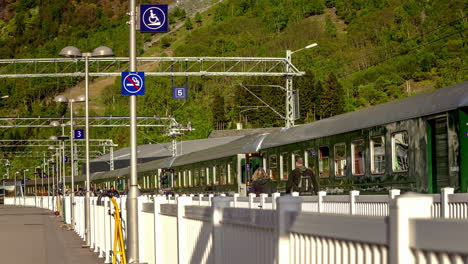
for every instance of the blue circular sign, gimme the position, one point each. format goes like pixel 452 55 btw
pixel 154 18
pixel 132 83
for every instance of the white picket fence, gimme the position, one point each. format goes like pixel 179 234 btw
pixel 319 229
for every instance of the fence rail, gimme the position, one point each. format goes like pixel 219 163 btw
pixel 320 229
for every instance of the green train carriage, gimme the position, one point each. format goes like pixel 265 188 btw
pixel 419 144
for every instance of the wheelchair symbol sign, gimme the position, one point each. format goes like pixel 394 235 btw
pixel 133 83
pixel 153 18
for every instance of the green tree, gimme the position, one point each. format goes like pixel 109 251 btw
pixel 332 100
pixel 198 19
pixel 188 24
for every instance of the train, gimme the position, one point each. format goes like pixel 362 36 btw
pixel 416 144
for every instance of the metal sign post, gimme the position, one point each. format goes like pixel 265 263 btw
pixel 133 192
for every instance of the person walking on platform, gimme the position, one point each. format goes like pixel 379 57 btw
pixel 302 180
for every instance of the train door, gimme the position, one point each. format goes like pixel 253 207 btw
pixel 437 155
pixel 249 164
pixel 241 175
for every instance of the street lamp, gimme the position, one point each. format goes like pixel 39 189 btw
pixel 289 91
pixel 74 52
pixel 64 99
pixel 62 149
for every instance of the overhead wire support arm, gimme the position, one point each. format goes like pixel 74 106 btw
pixel 102 121
pixel 260 99
pixel 188 66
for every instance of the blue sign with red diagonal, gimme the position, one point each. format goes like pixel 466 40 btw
pixel 133 83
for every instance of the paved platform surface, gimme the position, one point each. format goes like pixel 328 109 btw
pixel 32 235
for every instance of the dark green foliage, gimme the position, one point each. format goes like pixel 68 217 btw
pixel 198 19
pixel 188 24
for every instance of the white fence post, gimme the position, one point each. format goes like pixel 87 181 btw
pixel 320 201
pixel 251 199
pixel 200 198
pixel 263 196
pixel 234 201
pixel 444 202
pixel 158 229
pixel 402 209
pixel 286 206
pixel 218 204
pixel 352 202
pixel 274 196
pixel 141 226
pixel 393 193
pixel 181 229
pixel 210 198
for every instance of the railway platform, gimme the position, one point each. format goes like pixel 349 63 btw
pixel 34 235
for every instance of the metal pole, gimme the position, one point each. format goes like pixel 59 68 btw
pixel 289 94
pixel 24 187
pixel 57 174
pixel 15 187
pixel 87 134
pixel 72 213
pixel 48 186
pixel 35 190
pixel 8 177
pixel 42 180
pixel 64 186
pixel 133 192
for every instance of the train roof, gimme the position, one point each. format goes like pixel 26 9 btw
pixel 165 149
pixel 438 101
pixel 246 144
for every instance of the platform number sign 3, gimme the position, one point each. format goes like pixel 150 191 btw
pixel 179 93
pixel 79 134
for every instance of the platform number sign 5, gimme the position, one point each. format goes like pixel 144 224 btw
pixel 79 134
pixel 179 93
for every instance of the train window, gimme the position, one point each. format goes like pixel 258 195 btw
pixel 296 154
pixel 196 177
pixel 340 160
pixel 284 165
pixel 222 175
pixel 203 177
pixel 272 164
pixel 357 157
pixel 377 152
pixel 324 162
pixel 175 179
pixel 400 144
pixel 309 161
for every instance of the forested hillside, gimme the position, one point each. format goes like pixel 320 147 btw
pixel 369 52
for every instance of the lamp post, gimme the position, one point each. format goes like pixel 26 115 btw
pixel 64 99
pixel 6 176
pixel 289 84
pixel 55 173
pixel 16 173
pixel 61 163
pixel 24 186
pixel 133 191
pixel 74 52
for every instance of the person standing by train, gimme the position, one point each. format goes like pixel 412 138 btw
pixel 262 182
pixel 302 180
